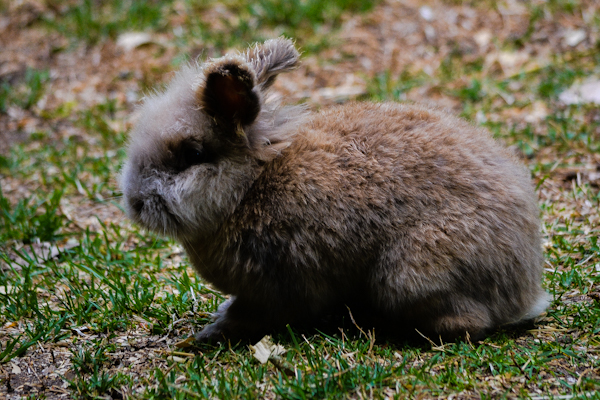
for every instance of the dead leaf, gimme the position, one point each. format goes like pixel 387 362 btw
pixel 15 369
pixel 6 289
pixel 538 112
pixel 177 359
pixel 39 252
pixel 426 13
pixel 265 349
pixel 483 38
pixel 573 37
pixel 585 92
pixel 185 343
pixel 352 87
pixel 131 40
pixel 511 62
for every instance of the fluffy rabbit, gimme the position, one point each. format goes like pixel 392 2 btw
pixel 405 212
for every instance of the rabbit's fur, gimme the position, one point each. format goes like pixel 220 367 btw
pixel 406 212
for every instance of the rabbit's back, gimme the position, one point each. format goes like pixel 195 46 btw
pixel 410 210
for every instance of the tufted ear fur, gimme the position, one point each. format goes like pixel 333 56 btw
pixel 271 58
pixel 231 90
pixel 228 93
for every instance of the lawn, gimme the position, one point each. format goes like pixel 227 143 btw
pixel 93 307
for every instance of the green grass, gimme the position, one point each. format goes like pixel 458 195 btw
pixel 107 280
pixel 296 13
pixel 91 21
pixel 25 93
pixel 308 21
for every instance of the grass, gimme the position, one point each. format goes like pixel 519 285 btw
pixel 243 22
pixel 92 21
pixel 79 282
pixel 24 95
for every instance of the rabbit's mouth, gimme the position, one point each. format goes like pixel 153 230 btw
pixel 153 213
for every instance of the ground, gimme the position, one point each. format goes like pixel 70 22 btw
pixel 92 307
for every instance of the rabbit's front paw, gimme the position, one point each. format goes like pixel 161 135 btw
pixel 235 320
pixel 211 333
pixel 215 331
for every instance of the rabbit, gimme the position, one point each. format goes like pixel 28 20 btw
pixel 404 211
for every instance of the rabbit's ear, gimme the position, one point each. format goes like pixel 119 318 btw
pixel 271 58
pixel 227 93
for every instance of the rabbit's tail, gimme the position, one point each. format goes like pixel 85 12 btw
pixel 538 307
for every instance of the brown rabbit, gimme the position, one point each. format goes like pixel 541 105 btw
pixel 409 213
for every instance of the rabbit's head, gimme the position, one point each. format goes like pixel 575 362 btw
pixel 199 144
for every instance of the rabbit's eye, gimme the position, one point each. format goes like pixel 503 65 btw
pixel 189 153
pixel 193 156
